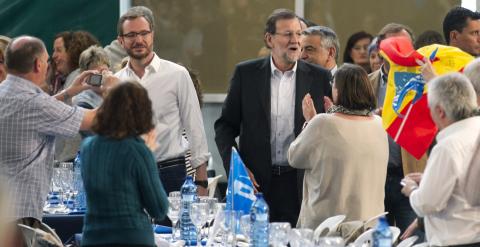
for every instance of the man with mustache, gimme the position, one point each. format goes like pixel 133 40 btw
pixel 264 109
pixel 174 101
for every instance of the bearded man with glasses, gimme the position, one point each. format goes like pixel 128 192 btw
pixel 173 97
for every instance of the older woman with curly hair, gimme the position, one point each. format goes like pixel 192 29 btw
pixel 119 172
pixel 67 48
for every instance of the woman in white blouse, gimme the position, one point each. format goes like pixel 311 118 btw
pixel 344 153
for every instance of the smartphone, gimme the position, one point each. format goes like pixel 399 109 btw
pixel 95 80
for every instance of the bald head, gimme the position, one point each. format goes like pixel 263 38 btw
pixel 22 52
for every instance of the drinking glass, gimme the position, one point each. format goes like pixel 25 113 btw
pixel 198 215
pixel 173 214
pixel 245 226
pixel 279 233
pixel 212 210
pixel 330 242
pixel 301 237
pixel 175 194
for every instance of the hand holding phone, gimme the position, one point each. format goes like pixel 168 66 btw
pixel 95 80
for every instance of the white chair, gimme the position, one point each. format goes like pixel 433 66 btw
pixel 424 244
pixel 364 238
pixel 328 226
pixel 46 228
pixel 374 219
pixel 367 236
pixel 408 242
pixel 37 237
pixel 212 185
pixel 395 233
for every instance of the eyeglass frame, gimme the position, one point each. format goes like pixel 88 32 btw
pixel 143 34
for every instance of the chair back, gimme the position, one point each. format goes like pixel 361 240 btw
pixel 328 226
pixel 212 185
pixel 408 242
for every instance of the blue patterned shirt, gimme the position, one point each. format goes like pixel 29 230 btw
pixel 30 120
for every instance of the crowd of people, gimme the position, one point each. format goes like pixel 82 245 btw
pixel 309 130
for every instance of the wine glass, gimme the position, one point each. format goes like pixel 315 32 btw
pixel 330 241
pixel 212 210
pixel 279 233
pixel 173 213
pixel 198 215
pixel 245 226
pixel 301 237
pixel 175 194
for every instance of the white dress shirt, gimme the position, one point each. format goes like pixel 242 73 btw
pixel 282 113
pixel 175 107
pixel 449 218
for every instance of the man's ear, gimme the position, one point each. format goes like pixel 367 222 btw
pixel 36 65
pixel 331 52
pixel 268 40
pixel 440 112
pixel 120 40
pixel 453 35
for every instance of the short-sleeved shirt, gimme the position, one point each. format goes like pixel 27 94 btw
pixel 30 120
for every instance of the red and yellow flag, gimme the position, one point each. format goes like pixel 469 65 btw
pixel 405 114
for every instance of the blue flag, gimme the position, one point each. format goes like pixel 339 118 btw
pixel 240 191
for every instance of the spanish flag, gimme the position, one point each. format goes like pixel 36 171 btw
pixel 405 114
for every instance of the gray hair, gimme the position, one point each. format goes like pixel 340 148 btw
pixel 133 13
pixel 93 56
pixel 329 37
pixel 472 71
pixel 455 94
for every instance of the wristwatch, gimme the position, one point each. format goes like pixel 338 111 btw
pixel 202 183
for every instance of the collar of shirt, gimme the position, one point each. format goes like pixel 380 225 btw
pixel 333 70
pixel 153 67
pixel 454 127
pixel 383 76
pixel 22 83
pixel 276 71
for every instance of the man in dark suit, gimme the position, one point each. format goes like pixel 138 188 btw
pixel 264 109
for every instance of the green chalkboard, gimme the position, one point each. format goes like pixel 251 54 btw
pixel 45 18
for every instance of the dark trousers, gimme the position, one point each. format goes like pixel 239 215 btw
pixel 282 198
pixel 400 213
pixel 172 173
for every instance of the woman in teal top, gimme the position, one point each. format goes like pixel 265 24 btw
pixel 119 172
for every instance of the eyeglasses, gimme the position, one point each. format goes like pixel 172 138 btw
pixel 133 35
pixel 289 35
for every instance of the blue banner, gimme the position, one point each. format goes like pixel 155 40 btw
pixel 240 191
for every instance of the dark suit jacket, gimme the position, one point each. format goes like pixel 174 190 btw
pixel 246 113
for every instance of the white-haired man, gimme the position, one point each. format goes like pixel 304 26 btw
pixel 440 198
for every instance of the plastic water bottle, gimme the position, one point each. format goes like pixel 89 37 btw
pixel 80 201
pixel 259 218
pixel 188 231
pixel 382 236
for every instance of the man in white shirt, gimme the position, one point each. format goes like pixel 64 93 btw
pixel 440 197
pixel 174 101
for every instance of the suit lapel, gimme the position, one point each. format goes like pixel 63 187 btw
pixel 264 87
pixel 302 87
